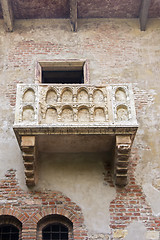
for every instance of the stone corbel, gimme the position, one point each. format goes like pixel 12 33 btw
pixel 28 147
pixel 122 152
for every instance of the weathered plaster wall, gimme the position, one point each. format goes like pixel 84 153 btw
pixel 117 52
pixel 80 177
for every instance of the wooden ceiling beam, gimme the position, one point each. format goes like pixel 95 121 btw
pixel 144 14
pixel 7 15
pixel 73 15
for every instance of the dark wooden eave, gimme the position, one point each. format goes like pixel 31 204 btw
pixel 144 14
pixel 78 9
pixel 7 15
pixel 73 15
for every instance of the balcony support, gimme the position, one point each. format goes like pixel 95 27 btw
pixel 122 153
pixel 28 147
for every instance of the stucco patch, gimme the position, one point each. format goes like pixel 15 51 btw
pixel 153 196
pixel 136 231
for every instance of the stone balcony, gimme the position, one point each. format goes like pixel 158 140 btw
pixel 86 117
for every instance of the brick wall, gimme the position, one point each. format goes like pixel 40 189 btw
pixel 117 52
pixel 130 203
pixel 29 208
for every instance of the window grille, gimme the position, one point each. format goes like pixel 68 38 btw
pixel 8 232
pixel 55 231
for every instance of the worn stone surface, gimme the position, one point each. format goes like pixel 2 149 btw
pixel 152 235
pixel 98 237
pixel 75 105
pixel 120 234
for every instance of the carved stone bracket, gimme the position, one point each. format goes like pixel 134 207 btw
pixel 122 152
pixel 28 147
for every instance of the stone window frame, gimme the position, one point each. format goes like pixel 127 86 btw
pixel 55 218
pixel 70 64
pixel 11 220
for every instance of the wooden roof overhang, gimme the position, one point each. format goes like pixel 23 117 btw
pixel 78 9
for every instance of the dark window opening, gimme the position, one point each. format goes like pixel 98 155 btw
pixel 67 76
pixel 55 231
pixel 62 72
pixel 8 232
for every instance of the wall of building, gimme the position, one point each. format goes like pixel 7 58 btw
pixel 117 52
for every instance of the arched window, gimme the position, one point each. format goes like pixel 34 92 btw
pixel 55 227
pixel 9 232
pixel 10 228
pixel 56 231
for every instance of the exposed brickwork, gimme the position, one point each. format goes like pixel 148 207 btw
pixel 130 203
pixel 30 208
pixel 11 92
pixel 24 55
pixel 26 52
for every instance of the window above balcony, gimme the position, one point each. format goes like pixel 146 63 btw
pixel 62 72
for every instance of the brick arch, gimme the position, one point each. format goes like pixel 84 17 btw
pixel 54 219
pixel 77 220
pixel 32 207
pixel 10 220
pixel 72 215
pixel 14 212
pixel 58 204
